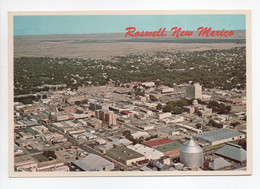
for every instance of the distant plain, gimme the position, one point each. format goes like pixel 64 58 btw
pixel 115 44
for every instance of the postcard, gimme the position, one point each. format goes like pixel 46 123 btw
pixel 130 93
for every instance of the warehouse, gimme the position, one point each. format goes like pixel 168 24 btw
pixel 125 155
pixel 94 163
pixel 170 149
pixel 219 136
pixel 149 153
pixel 157 142
pixel 219 164
pixel 233 152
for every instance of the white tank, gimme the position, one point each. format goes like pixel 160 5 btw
pixel 191 154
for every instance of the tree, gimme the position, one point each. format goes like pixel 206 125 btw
pixel 49 154
pixel 166 109
pixel 159 106
pixel 77 103
pixel 181 103
pixel 153 98
pixel 198 126
pixel 177 110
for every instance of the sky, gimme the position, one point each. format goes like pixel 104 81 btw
pixel 83 24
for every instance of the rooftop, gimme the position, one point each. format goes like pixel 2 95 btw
pixel 219 134
pixel 92 163
pixel 219 163
pixel 169 147
pixel 125 153
pixel 157 142
pixel 233 151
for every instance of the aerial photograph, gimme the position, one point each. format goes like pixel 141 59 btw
pixel 118 93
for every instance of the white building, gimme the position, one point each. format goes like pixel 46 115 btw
pixel 148 152
pixel 140 134
pixel 148 84
pixel 164 115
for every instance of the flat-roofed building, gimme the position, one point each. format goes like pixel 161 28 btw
pixel 219 136
pixel 164 115
pixel 148 84
pixel 140 134
pixel 94 162
pixel 97 106
pixel 24 162
pixel 165 90
pixel 148 152
pixel 157 142
pixel 170 149
pixel 60 116
pixel 94 122
pixel 49 165
pixel 125 155
pixel 106 116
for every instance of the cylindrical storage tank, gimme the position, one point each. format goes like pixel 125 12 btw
pixel 191 154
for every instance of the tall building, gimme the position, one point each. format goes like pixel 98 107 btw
pixel 96 106
pixel 194 91
pixel 106 116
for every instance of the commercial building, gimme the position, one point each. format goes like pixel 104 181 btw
pixel 148 152
pixel 219 164
pixel 94 162
pixel 148 84
pixel 96 106
pixel 140 134
pixel 125 155
pixel 157 142
pixel 164 115
pixel 233 152
pixel 146 127
pixel 194 91
pixel 170 149
pixel 106 116
pixel 166 90
pixel 190 128
pixel 94 122
pixel 24 162
pixel 52 165
pixel 60 116
pixel 219 136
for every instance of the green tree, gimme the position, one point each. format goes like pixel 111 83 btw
pixel 159 106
